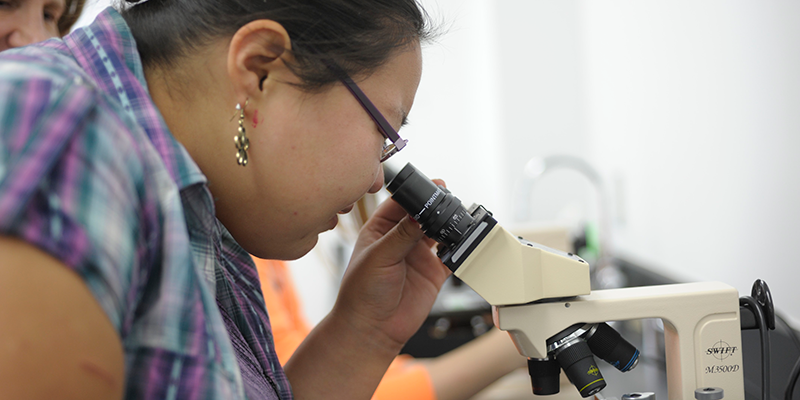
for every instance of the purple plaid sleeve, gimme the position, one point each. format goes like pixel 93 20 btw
pixel 90 173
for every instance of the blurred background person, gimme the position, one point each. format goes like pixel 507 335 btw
pixel 23 22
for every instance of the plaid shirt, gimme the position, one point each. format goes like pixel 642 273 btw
pixel 90 173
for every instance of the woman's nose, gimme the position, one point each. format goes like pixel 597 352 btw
pixel 25 36
pixel 28 29
pixel 378 184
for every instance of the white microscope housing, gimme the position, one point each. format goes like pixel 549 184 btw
pixel 536 292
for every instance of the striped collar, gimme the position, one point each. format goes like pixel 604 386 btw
pixel 107 51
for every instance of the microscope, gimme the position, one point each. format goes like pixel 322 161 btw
pixel 542 298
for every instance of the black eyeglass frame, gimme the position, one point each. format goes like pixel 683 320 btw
pixel 396 143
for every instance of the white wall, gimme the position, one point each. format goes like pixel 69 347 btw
pixel 90 10
pixel 693 106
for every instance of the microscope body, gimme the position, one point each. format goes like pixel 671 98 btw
pixel 538 294
pixel 506 269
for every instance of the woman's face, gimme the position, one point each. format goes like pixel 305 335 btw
pixel 314 155
pixel 23 22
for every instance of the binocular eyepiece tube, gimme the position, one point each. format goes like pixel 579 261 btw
pixel 440 213
pixel 442 216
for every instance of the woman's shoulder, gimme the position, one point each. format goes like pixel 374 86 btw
pixel 79 180
pixel 71 159
pixel 50 104
pixel 45 61
pixel 47 117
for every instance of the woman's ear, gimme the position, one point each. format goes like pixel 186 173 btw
pixel 255 55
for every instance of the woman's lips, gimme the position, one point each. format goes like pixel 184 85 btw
pixel 332 222
pixel 335 220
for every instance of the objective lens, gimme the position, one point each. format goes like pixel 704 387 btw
pixel 544 376
pixel 607 344
pixel 578 363
pixel 441 214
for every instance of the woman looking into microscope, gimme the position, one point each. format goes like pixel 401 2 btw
pixel 127 212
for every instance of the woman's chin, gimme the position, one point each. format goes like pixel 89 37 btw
pixel 288 251
pixel 302 248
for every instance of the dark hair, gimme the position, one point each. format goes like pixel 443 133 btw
pixel 72 12
pixel 357 35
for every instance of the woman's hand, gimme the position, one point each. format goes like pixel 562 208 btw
pixel 388 290
pixel 393 277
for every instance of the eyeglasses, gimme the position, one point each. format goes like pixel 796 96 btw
pixel 393 142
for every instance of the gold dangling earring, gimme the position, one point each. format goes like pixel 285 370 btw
pixel 240 140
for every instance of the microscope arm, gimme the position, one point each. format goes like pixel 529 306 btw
pixel 701 329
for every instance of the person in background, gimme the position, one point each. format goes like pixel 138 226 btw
pixel 145 155
pixel 458 374
pixel 23 22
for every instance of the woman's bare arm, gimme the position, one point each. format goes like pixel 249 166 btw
pixel 55 339
pixel 465 371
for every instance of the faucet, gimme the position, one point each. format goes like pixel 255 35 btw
pixel 536 167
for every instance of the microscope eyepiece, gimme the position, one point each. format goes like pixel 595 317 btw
pixel 440 213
